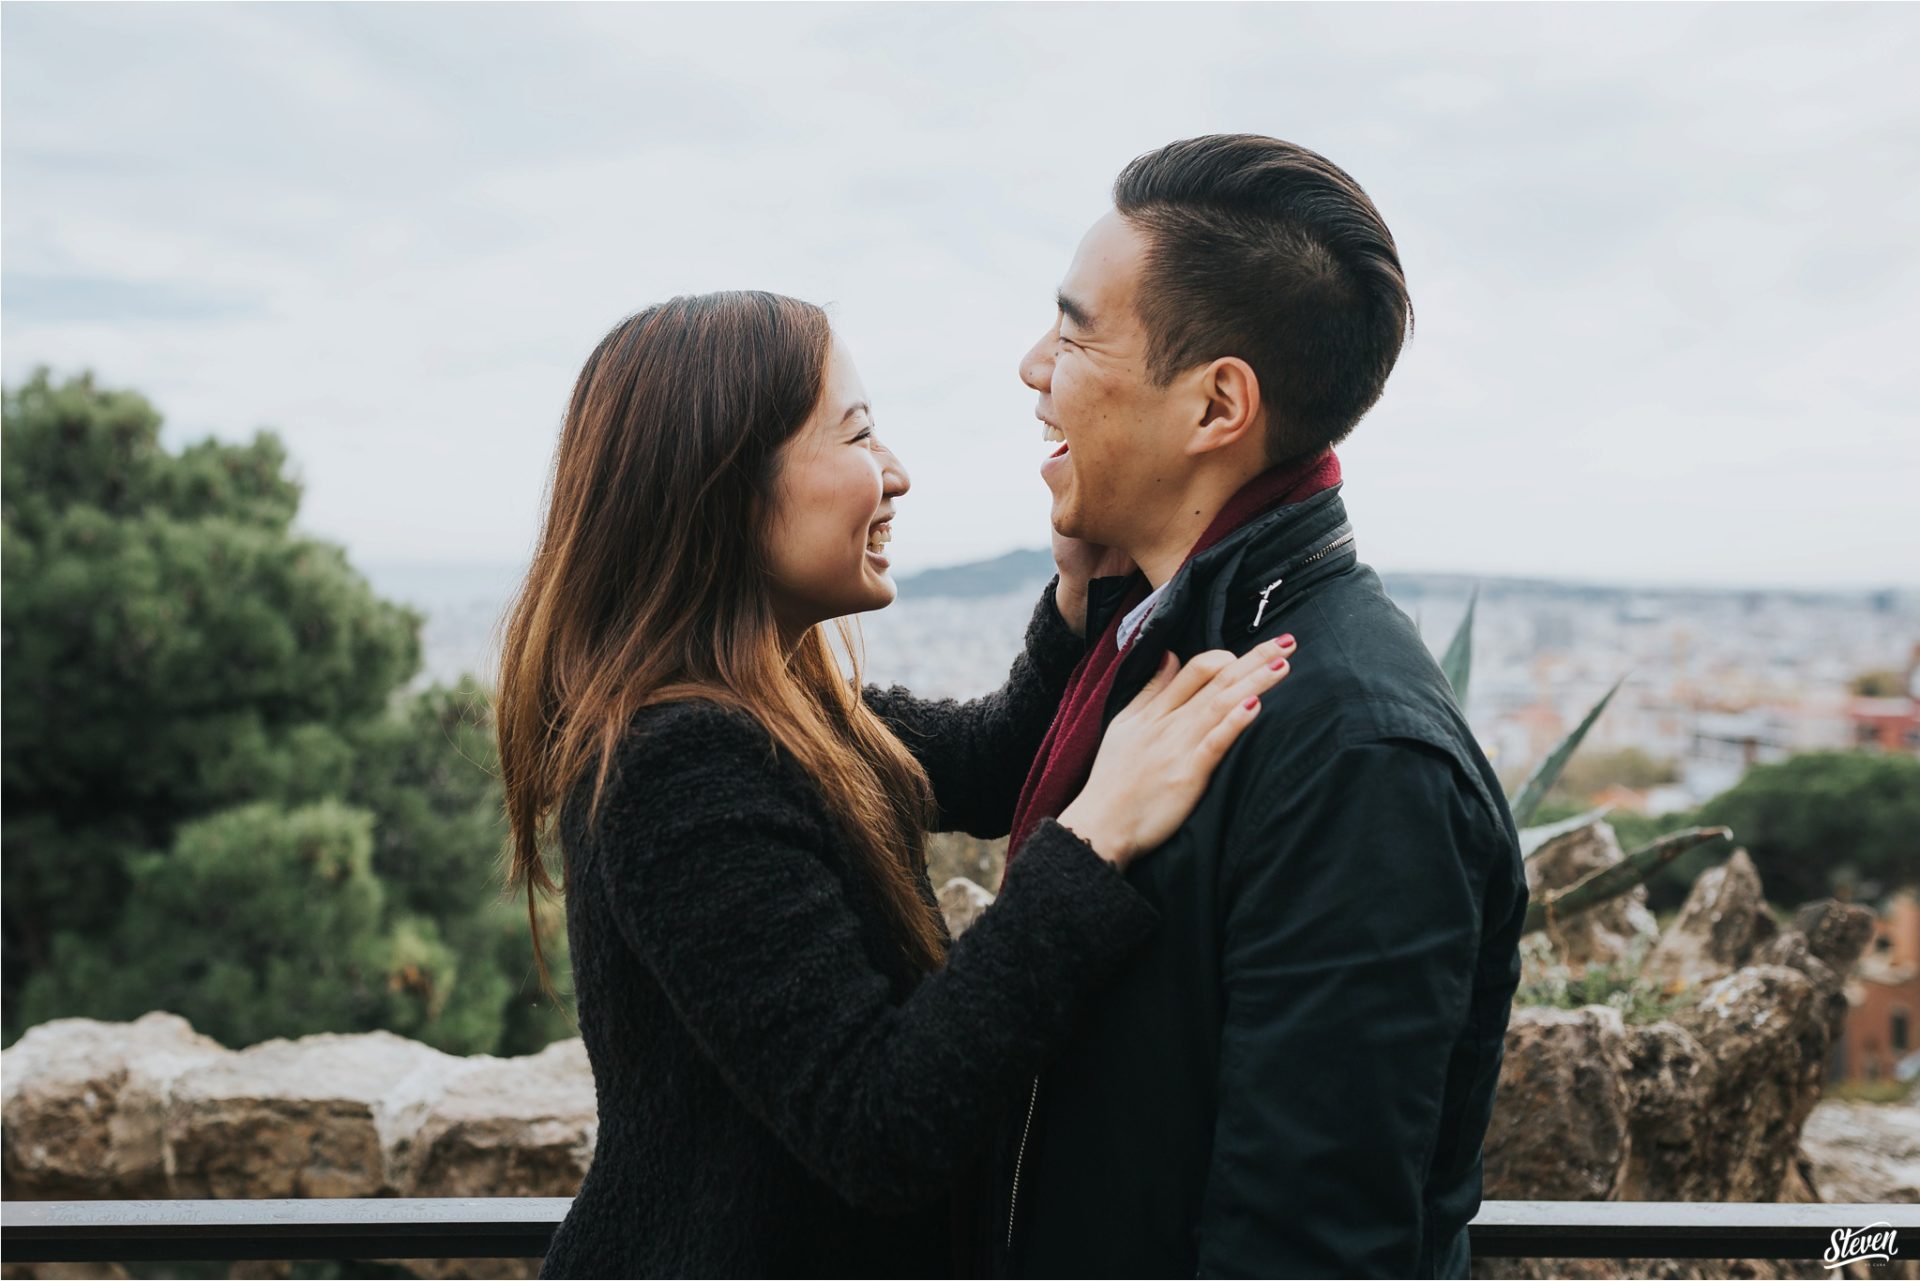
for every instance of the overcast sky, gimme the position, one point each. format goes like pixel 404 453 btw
pixel 1664 260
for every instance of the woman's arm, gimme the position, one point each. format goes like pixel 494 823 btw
pixel 977 753
pixel 711 862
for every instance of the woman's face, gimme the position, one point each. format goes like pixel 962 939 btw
pixel 833 508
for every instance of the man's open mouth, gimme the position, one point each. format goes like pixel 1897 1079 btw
pixel 1053 433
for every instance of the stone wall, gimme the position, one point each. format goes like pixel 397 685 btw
pixel 1707 1104
pixel 152 1109
pixel 1712 1103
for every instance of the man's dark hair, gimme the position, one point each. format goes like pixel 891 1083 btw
pixel 1261 249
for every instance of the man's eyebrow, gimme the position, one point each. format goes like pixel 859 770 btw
pixel 857 407
pixel 1073 311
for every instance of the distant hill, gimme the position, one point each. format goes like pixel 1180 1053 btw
pixel 439 586
pixel 1027 569
pixel 1012 572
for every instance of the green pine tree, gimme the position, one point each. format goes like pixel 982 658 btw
pixel 219 798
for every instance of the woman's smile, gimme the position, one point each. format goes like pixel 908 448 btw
pixel 879 534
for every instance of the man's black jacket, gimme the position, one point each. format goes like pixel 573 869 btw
pixel 1294 1077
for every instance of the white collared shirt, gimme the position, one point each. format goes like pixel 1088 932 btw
pixel 1137 617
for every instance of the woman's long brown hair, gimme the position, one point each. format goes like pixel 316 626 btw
pixel 649 585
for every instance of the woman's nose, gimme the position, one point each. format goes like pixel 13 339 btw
pixel 894 475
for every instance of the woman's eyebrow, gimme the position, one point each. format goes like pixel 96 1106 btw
pixel 857 407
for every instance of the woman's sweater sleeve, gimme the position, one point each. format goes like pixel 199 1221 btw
pixel 977 753
pixel 709 855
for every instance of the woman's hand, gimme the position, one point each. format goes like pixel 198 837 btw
pixel 1079 563
pixel 1160 752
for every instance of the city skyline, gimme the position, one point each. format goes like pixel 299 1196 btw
pixel 1711 681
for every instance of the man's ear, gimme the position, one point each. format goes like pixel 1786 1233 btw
pixel 1229 396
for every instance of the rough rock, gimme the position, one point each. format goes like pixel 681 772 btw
pixel 1662 1269
pixel 468 1269
pixel 1764 1031
pixel 83 1105
pixel 1824 943
pixel 1559 1128
pixel 1708 1105
pixel 1723 920
pixel 153 1109
pixel 1666 1085
pixel 1867 1152
pixel 296 1118
pixel 1614 933
pixel 1836 932
pixel 1789 948
pixel 523 1123
pixel 961 902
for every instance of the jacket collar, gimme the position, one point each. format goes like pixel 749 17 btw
pixel 1277 554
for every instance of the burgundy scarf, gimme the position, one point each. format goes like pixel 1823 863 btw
pixel 1072 741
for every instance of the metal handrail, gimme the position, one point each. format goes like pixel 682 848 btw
pixel 520 1227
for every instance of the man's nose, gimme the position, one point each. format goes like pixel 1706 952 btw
pixel 1036 367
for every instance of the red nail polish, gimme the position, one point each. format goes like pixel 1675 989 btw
pixel 1278 664
pixel 1251 703
pixel 1285 640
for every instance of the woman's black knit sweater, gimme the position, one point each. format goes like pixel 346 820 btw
pixel 779 1094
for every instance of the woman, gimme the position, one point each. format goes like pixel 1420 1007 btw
pixel 790 1062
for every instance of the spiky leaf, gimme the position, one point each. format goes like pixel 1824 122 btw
pixel 1547 773
pixel 1458 663
pixel 1611 882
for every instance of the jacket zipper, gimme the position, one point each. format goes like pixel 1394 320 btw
pixel 1013 1199
pixel 1260 613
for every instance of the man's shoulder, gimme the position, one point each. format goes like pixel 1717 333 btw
pixel 1371 774
pixel 1363 684
pixel 1361 672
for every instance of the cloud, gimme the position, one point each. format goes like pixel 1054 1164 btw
pixel 1659 256
pixel 55 299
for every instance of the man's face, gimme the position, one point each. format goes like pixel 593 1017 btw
pixel 1120 464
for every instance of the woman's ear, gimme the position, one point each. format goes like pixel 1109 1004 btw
pixel 1230 397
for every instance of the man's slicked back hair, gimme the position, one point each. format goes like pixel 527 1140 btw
pixel 1263 250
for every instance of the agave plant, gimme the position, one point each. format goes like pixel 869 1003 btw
pixel 1555 906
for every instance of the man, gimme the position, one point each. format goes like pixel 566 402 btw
pixel 1295 1076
